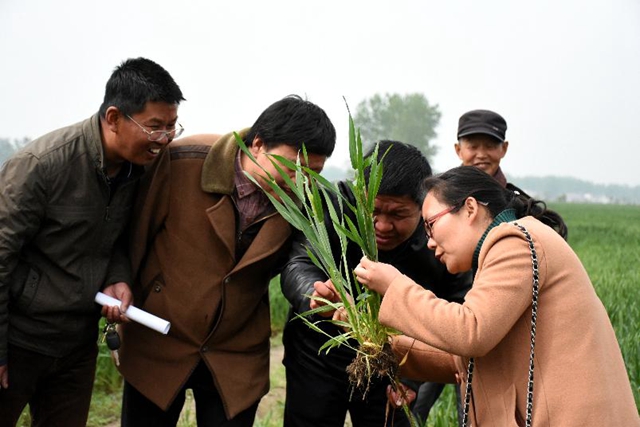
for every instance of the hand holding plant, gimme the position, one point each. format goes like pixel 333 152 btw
pixel 401 395
pixel 324 291
pixel 376 276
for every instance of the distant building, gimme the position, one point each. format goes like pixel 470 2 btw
pixel 587 198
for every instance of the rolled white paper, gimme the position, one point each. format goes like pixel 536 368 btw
pixel 135 314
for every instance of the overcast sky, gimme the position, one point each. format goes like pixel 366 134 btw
pixel 564 73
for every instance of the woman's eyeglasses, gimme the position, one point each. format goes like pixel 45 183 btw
pixel 428 223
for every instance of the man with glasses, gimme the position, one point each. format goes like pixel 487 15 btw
pixel 206 242
pixel 65 203
pixel 318 390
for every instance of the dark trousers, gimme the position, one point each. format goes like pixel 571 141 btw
pixel 318 398
pixel 138 411
pixel 57 389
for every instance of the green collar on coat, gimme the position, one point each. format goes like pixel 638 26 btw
pixel 218 170
pixel 506 215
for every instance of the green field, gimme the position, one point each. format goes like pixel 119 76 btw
pixel 607 240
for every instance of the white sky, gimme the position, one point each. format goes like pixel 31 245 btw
pixel 564 73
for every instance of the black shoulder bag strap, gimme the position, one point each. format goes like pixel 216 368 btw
pixel 534 315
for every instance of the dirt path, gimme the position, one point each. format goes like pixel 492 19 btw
pixel 274 400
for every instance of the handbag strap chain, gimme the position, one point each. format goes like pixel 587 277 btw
pixel 534 317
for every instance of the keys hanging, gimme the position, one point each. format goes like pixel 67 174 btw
pixel 110 335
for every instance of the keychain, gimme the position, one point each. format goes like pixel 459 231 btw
pixel 110 335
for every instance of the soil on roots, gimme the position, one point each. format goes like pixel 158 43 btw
pixel 371 361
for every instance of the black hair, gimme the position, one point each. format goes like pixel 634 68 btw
pixel 404 168
pixel 295 122
pixel 136 82
pixel 454 186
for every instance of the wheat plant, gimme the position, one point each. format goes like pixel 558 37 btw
pixel 303 205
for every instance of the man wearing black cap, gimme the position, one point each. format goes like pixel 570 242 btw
pixel 481 142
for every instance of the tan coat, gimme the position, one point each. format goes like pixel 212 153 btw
pixel 183 251
pixel 579 377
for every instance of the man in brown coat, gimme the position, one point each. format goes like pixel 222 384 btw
pixel 206 241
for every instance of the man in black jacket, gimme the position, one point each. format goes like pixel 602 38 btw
pixel 318 391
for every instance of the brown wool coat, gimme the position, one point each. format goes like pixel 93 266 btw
pixel 579 376
pixel 183 258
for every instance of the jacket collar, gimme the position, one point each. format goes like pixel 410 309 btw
pixel 499 176
pixel 219 176
pixel 93 135
pixel 91 131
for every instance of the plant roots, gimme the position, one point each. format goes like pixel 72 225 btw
pixel 372 361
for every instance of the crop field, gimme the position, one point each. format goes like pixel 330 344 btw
pixel 605 237
pixel 607 240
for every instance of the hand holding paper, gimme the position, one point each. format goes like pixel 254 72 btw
pixel 137 315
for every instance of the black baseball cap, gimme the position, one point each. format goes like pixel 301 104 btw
pixel 482 121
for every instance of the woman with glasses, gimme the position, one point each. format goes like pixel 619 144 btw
pixel 531 344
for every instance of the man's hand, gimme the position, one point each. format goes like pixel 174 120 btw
pixel 4 376
pixel 403 395
pixel 121 291
pixel 327 291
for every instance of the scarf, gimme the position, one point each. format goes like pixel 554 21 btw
pixel 506 215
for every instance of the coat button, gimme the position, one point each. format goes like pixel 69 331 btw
pixel 205 349
pixel 157 288
pixel 227 280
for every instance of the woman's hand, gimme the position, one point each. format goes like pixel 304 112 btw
pixel 376 276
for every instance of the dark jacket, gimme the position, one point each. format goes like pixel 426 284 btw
pixel 412 258
pixel 188 271
pixel 59 223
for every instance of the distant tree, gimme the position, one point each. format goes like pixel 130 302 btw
pixel 8 147
pixel 407 118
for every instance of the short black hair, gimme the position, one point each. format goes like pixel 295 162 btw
pixel 404 170
pixel 136 82
pixel 295 122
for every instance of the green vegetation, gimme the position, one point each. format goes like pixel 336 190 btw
pixel 409 118
pixel 607 240
pixel 9 147
pixel 605 237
